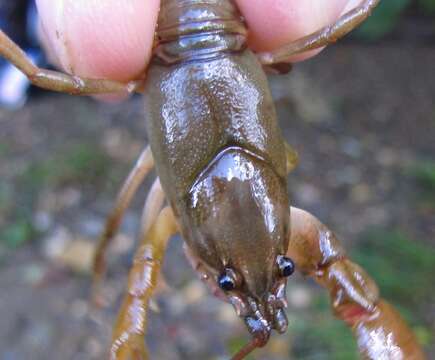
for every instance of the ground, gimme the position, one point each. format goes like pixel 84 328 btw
pixel 362 119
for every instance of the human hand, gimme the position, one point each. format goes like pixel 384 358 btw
pixel 113 39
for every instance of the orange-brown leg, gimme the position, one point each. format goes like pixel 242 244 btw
pixel 322 37
pixel 153 205
pixel 57 81
pixel 142 167
pixel 380 331
pixel 128 334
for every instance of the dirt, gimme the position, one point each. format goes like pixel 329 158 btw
pixel 359 116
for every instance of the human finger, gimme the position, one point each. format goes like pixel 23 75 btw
pixel 100 39
pixel 274 23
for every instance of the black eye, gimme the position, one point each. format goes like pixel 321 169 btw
pixel 286 265
pixel 227 281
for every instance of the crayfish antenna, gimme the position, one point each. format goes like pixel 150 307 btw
pixel 246 350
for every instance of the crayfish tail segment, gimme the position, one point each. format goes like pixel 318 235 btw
pixel 379 330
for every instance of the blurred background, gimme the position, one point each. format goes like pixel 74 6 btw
pixel 362 117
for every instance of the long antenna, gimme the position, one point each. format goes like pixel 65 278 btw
pixel 246 350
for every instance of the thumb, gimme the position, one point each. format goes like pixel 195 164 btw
pixel 275 23
pixel 109 39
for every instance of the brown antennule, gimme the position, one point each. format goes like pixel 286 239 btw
pixel 246 350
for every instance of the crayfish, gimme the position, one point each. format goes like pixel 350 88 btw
pixel 222 165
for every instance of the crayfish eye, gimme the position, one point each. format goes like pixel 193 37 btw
pixel 286 265
pixel 227 280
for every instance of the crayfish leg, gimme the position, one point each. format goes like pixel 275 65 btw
pixel 58 81
pixel 153 205
pixel 380 331
pixel 129 330
pixel 135 178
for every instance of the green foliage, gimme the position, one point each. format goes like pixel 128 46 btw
pixel 386 16
pixel 5 196
pixel 424 335
pixel 384 19
pixel 81 163
pixel 428 6
pixel 401 267
pixel 4 149
pixel 424 173
pixel 16 234
pixel 317 334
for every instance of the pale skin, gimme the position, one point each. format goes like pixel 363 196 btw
pixel 112 39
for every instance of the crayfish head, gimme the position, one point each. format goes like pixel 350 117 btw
pixel 237 223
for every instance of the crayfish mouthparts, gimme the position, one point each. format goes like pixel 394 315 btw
pixel 260 330
pixel 261 320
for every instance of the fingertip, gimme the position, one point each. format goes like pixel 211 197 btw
pixel 111 39
pixel 274 23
